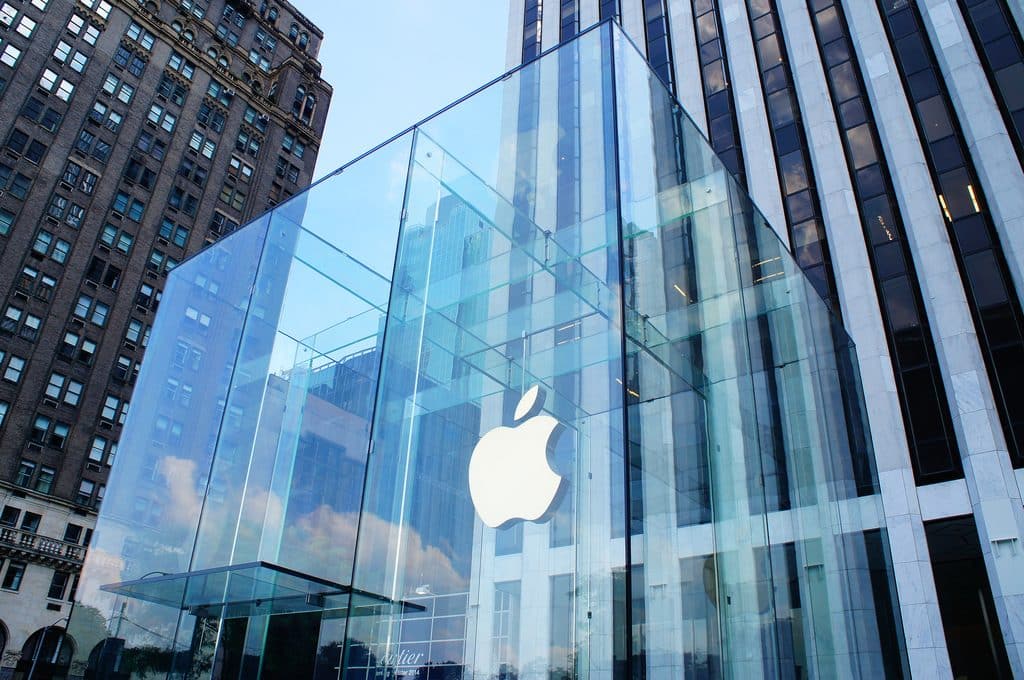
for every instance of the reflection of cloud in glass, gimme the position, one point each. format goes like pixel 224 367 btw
pixel 324 533
pixel 183 497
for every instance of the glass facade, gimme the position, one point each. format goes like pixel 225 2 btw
pixel 490 403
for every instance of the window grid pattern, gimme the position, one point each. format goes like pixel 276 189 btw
pixel 972 233
pixel 531 29
pixel 659 43
pixel 800 199
pixel 1001 50
pixel 934 451
pixel 723 128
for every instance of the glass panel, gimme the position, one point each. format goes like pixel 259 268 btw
pixel 532 390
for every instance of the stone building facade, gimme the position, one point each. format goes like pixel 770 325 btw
pixel 133 135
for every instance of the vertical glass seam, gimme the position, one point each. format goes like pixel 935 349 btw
pixel 377 395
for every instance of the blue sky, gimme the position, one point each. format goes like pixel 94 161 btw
pixel 394 62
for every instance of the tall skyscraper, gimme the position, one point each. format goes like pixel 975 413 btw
pixel 883 141
pixel 134 134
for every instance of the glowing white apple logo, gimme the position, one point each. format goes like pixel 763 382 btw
pixel 509 474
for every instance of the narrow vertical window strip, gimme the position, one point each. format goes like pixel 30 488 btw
pixel 999 44
pixel 933 447
pixel 797 184
pixel 568 20
pixel 532 29
pixel 609 9
pixel 961 198
pixel 659 43
pixel 723 127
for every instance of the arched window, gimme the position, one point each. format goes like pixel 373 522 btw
pixel 300 97
pixel 224 61
pixel 50 649
pixel 188 35
pixel 303 40
pixel 272 15
pixel 307 109
pixel 293 32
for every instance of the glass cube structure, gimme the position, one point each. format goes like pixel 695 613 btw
pixel 530 390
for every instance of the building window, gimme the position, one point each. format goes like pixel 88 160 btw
pixel 126 369
pixel 31 149
pixel 210 117
pixel 221 224
pixel 86 490
pixel 49 432
pixel 192 171
pixel 172 90
pixel 117 238
pixel 5 406
pixel 75 346
pixel 233 196
pixel 247 143
pixel 256 119
pixel 201 144
pixel 10 55
pixel 16 320
pixel 293 146
pixel 16 184
pixel 13 370
pixel 44 482
pixel 161 118
pixel 78 26
pixel 91 145
pixel 135 172
pixel 152 146
pixel 107 117
pixel 36 111
pixel 303 104
pixel 114 87
pixel 102 451
pixel 60 388
pixel 971 226
pixel 933 446
pixel 180 199
pixel 128 206
pixel 196 7
pixel 58 584
pixel 140 35
pixel 220 93
pixel 160 262
pixel 9 516
pixel 66 54
pixel 174 233
pixel 13 576
pixel 136 332
pixel 114 409
pixel 92 310
pixel 182 65
pixel 102 272
pixel 240 170
pixel 53 83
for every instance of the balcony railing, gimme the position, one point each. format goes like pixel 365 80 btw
pixel 40 548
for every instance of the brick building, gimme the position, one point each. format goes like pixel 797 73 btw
pixel 133 134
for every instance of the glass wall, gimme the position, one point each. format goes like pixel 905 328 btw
pixel 530 391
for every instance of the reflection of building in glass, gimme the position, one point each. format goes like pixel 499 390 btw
pixel 718 515
pixel 883 140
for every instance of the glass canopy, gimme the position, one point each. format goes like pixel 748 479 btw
pixel 530 390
